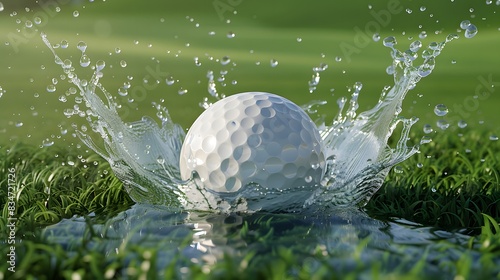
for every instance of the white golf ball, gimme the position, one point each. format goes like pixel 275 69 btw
pixel 253 137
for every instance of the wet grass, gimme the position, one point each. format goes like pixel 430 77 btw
pixel 457 188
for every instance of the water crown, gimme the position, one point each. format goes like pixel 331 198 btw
pixel 145 155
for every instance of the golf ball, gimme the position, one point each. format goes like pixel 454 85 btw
pixel 253 137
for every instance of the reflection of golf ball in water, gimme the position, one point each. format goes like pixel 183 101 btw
pixel 253 137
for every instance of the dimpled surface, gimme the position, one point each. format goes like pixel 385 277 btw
pixel 253 137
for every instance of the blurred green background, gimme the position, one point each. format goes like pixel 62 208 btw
pixel 159 39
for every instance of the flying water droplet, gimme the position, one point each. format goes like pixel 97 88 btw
pixel 123 63
pixel 425 139
pixel 464 24
pixel 462 124
pixel 230 35
pixel 51 88
pixel 225 60
pixel 428 129
pixel 63 98
pixel 274 63
pixel 100 64
pixel 440 110
pixel 443 124
pixel 398 169
pixel 76 13
pixel 82 46
pixel 1 7
pixel 470 31
pixel 197 61
pixel 182 91
pixel 390 41
pixel 47 142
pixel 64 44
pixel 493 137
pixel 170 80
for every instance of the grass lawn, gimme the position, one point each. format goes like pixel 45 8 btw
pixel 452 185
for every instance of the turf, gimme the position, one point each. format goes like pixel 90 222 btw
pixel 452 184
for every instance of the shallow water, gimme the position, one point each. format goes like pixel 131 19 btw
pixel 346 240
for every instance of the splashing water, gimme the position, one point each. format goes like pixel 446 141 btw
pixel 145 156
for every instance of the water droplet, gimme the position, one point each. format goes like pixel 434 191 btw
pixel 51 88
pixel 415 46
pixel 76 13
pixel 64 44
pixel 423 8
pixel 28 23
pixel 82 46
pixel 493 137
pixel 122 92
pixel 462 124
pixel 376 37
pixel 443 124
pixel 433 189
pixel 118 50
pixel 422 35
pixel 211 33
pixel 230 35
pixel 123 63
pixel 322 67
pixel 63 98
pixel 420 165
pixel 425 139
pixel 160 160
pixel 182 91
pixel 470 31
pixel 409 11
pixel 197 61
pixel 308 179
pixel 440 110
pixel 428 129
pixel 299 39
pixel 37 20
pixel 47 142
pixel 390 41
pixel 100 64
pixel 225 60
pixel 170 80
pixel 398 169
pixel 1 7
pixel 274 63
pixel 464 24
pixel 19 124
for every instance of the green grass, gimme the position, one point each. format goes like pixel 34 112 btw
pixel 456 189
pixel 453 190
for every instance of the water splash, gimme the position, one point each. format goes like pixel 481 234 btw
pixel 145 156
